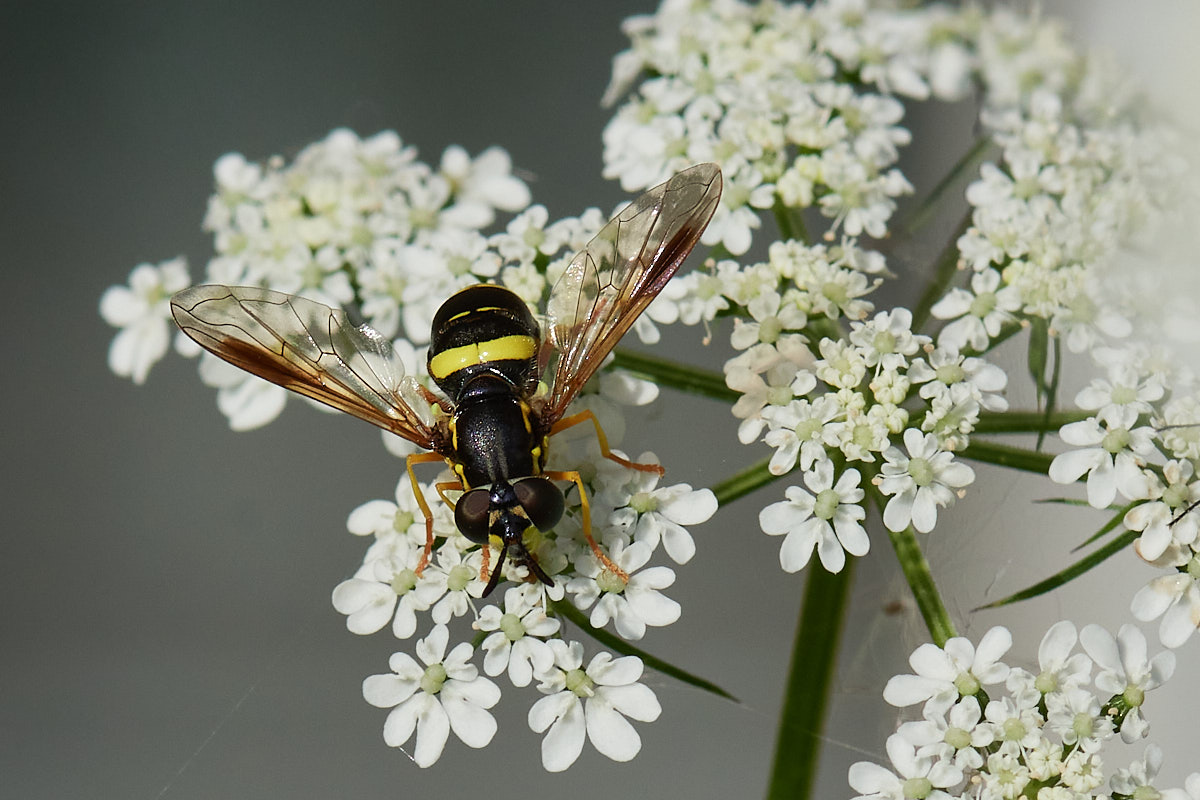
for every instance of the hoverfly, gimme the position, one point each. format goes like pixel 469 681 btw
pixel 487 355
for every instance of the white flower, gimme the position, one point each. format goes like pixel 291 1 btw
pixel 525 236
pixel 1076 716
pixel 143 313
pixel 959 734
pixel 516 642
pixel 860 198
pixel 1112 457
pixel 1125 388
pixel 828 519
pixel 386 589
pixel 841 365
pixel 860 435
pixel 766 378
pixel 661 512
pixel 798 432
pixel 1083 770
pixel 1138 779
pixel 1175 598
pixel 403 515
pixel 916 775
pixel 1016 718
pixel 447 694
pixel 735 217
pixel 944 368
pixel 1180 428
pixel 632 603
pixel 246 400
pixel 886 341
pixel 944 675
pixel 771 319
pixel 487 182
pixel 1165 523
pixel 1191 790
pixel 978 315
pixel 1127 670
pixel 920 482
pixel 594 702
pixel 1004 776
pixel 455 576
pixel 1060 666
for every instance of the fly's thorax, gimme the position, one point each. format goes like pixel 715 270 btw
pixel 484 329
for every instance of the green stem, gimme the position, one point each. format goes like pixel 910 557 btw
pixel 1025 421
pixel 920 580
pixel 822 328
pixel 945 268
pixel 743 483
pixel 790 221
pixel 677 376
pixel 1004 455
pixel 810 677
pixel 969 161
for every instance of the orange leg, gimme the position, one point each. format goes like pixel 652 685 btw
pixel 575 478
pixel 484 572
pixel 423 458
pixel 588 416
pixel 444 486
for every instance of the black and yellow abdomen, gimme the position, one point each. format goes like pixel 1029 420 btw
pixel 493 434
pixel 483 354
pixel 484 330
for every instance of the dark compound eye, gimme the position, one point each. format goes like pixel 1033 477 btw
pixel 542 501
pixel 471 515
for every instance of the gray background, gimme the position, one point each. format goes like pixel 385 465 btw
pixel 166 629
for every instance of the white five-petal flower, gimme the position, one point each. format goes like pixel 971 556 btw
pixel 142 311
pixel 920 481
pixel 516 642
pixel 445 695
pixel 593 702
pixel 828 518
pixel 943 675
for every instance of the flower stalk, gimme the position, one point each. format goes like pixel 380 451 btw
pixel 664 372
pixel 920 580
pixel 809 684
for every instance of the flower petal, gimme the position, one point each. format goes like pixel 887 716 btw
pixel 433 729
pixel 563 744
pixel 468 719
pixel 609 732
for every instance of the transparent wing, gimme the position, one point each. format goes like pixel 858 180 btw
pixel 612 280
pixel 307 347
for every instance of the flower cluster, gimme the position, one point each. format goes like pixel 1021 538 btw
pixel 989 731
pixel 356 223
pixel 1048 218
pixel 1140 444
pixel 364 225
pixel 524 639
pixel 837 406
pixel 802 105
pixel 796 103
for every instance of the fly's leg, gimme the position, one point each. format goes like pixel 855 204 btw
pixel 423 458
pixel 451 486
pixel 575 478
pixel 588 416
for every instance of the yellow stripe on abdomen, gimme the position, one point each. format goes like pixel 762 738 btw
pixel 505 348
